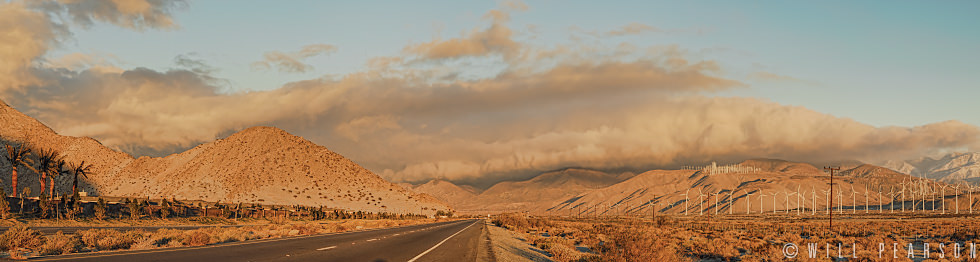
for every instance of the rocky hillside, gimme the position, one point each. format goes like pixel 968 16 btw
pixel 951 168
pixel 260 164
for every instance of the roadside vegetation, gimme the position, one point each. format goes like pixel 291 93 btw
pixel 665 238
pixel 21 242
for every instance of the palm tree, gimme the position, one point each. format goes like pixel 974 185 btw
pixel 81 169
pixel 61 169
pixel 17 155
pixel 47 162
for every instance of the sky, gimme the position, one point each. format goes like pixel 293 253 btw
pixel 482 91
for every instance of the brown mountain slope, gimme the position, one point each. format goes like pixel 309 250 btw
pixel 260 164
pixel 791 185
pixel 540 192
pixel 446 191
pixel 776 165
pixel 17 128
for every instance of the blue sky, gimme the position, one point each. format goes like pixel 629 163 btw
pixel 476 92
pixel 897 63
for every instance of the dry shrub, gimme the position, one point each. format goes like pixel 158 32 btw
pixel 107 239
pixel 236 234
pixel 20 237
pixel 277 220
pixel 306 229
pixel 336 227
pixel 60 243
pixel 197 238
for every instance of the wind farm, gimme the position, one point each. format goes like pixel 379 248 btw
pixel 506 130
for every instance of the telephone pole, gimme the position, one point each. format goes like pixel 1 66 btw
pixel 831 169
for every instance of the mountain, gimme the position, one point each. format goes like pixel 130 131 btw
pixel 260 165
pixel 951 168
pixel 540 192
pixel 447 191
pixel 791 185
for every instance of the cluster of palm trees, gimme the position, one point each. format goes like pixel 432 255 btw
pixel 48 163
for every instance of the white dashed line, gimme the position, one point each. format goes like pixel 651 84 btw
pixel 440 243
pixel 373 239
pixel 322 249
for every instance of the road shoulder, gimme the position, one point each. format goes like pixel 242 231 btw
pixel 508 247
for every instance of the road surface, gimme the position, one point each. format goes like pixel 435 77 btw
pixel 444 241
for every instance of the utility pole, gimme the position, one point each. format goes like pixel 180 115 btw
pixel 832 170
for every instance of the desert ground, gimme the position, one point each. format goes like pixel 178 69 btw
pixel 922 236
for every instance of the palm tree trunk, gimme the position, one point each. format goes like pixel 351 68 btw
pixel 52 187
pixel 13 179
pixel 44 182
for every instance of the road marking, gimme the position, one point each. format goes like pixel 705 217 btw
pixel 322 249
pixel 395 235
pixel 440 243
pixel 373 239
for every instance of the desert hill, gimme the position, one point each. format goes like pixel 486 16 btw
pixel 261 164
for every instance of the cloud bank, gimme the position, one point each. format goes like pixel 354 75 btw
pixel 550 107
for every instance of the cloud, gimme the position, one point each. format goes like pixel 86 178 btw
pixel 767 76
pixel 133 14
pixel 633 29
pixel 601 107
pixel 292 62
pixel 493 40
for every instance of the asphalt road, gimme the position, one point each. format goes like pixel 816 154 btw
pixel 444 241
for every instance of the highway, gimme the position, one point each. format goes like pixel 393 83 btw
pixel 443 241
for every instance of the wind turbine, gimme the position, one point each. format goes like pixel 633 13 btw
pixel 774 194
pixel 853 200
pixel 943 198
pixel 787 201
pixel 880 206
pixel 903 195
pixel 716 202
pixel 830 208
pixel 686 201
pixel 892 194
pixel 731 201
pixel 840 204
pixel 971 188
pixel 866 199
pixel 748 202
pixel 700 202
pixel 957 193
pixel 760 201
pixel 800 196
pixel 813 201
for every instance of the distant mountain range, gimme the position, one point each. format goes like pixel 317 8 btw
pixel 263 165
pixel 951 168
pixel 577 191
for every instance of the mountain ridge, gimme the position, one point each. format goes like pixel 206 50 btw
pixel 261 164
